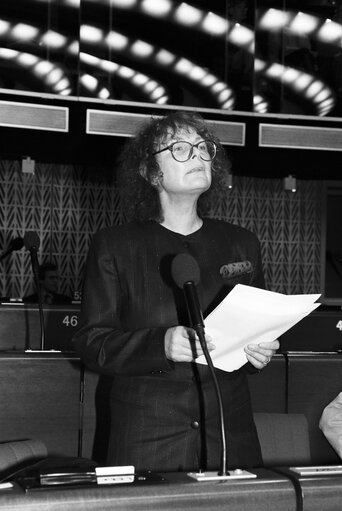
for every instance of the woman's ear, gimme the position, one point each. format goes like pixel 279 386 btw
pixel 143 172
pixel 154 179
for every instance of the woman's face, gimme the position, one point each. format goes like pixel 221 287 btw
pixel 192 177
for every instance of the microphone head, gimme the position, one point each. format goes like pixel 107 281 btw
pixel 184 268
pixel 16 243
pixel 31 240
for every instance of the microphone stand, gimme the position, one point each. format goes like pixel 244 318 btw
pixel 34 261
pixel 197 324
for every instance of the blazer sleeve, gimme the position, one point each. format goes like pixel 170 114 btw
pixel 102 343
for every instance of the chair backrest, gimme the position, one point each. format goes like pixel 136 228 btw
pixel 15 454
pixel 284 439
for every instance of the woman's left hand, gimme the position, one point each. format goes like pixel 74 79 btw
pixel 259 355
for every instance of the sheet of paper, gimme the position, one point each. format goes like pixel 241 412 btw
pixel 251 315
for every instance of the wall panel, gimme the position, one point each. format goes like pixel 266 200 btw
pixel 66 204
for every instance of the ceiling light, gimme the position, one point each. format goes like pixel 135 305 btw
pixel 43 68
pixel 229 105
pixel 330 32
pixel 89 59
pixel 241 36
pixel 108 66
pixel 303 24
pixel 188 15
pixel 157 8
pixel 314 89
pixel 6 53
pixel 89 82
pixel 55 75
pixel 62 85
pixel 90 34
pixel 150 86
pixel 158 93
pixel 116 41
pixel 26 59
pixel 21 31
pixel 53 39
pixel 183 66
pixel 165 57
pixel 142 49
pixel 123 3
pixel 74 48
pixel 4 27
pixel 274 19
pixel 139 79
pixel 104 93
pixel 208 80
pixel 125 72
pixel 214 24
pixel 163 100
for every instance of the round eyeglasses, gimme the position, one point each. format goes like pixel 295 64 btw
pixel 182 150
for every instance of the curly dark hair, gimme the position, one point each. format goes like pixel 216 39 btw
pixel 138 167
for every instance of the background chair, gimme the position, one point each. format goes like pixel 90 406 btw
pixel 284 439
pixel 19 454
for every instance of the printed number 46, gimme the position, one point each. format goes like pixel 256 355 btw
pixel 70 320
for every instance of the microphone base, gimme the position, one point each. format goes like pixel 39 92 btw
pixel 215 476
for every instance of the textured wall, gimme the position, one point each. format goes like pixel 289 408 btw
pixel 65 205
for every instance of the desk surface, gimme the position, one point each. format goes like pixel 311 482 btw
pixel 268 491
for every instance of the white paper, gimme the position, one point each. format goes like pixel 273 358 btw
pixel 249 315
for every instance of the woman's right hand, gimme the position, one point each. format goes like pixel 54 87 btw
pixel 183 345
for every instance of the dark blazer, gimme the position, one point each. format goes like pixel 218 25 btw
pixel 164 414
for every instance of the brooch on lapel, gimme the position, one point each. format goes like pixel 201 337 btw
pixel 231 270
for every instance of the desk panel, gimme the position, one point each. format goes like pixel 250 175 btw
pixel 40 399
pixel 267 492
pixel 20 326
pixel 317 332
pixel 319 493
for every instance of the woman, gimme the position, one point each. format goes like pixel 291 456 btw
pixel 134 322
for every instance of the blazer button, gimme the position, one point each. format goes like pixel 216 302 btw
pixel 194 424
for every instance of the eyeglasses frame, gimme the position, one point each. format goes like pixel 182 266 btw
pixel 170 146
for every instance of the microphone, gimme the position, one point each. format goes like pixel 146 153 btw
pixel 186 274
pixel 32 242
pixel 15 244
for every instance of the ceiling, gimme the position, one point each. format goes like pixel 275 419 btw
pixel 224 56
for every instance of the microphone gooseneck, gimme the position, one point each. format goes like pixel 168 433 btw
pixel 32 242
pixel 186 274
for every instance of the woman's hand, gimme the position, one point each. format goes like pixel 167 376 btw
pixel 259 355
pixel 183 345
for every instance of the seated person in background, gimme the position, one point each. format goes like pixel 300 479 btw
pixel 331 423
pixel 48 279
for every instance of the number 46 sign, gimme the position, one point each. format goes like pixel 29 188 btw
pixel 72 320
